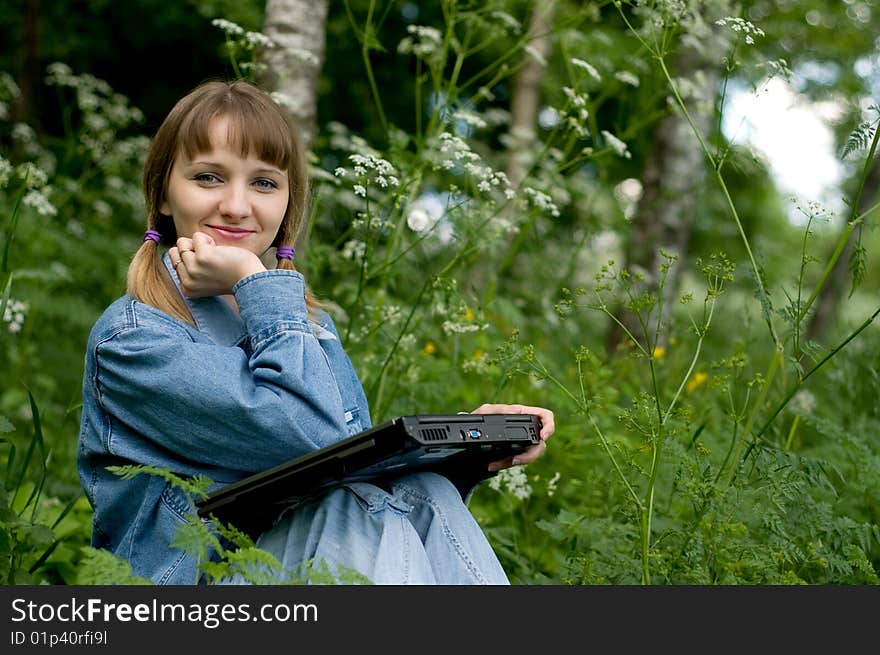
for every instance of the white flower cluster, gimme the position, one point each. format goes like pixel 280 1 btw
pixel 354 249
pixel 618 146
pixel 552 483
pixel 14 314
pixel 385 314
pixel 514 481
pixel 741 26
pixel 627 78
pixel 5 171
pixel 370 169
pixel 232 29
pixel 476 364
pixel 104 112
pixel 804 401
pixel 580 63
pixel 38 199
pixel 535 54
pixel 368 223
pixel 451 151
pixel 542 201
pixel 455 327
pixel 509 21
pixel 575 112
pixel 258 40
pixel 424 42
pixel 420 218
pixel 471 118
pixel 35 180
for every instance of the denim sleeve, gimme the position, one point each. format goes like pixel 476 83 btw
pixel 214 405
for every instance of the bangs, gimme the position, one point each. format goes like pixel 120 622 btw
pixel 253 129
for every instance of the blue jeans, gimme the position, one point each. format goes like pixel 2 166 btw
pixel 419 532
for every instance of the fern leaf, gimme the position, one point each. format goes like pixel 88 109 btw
pixel 858 139
pixel 196 486
pixel 858 267
pixel 101 567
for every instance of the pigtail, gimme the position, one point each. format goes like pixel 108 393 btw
pixel 149 282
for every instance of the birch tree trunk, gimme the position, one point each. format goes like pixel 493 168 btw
pixel 527 95
pixel 294 67
pixel 522 144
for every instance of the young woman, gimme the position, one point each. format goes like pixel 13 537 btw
pixel 211 364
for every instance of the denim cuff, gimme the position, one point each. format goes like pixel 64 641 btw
pixel 272 300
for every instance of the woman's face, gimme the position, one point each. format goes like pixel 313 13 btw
pixel 236 201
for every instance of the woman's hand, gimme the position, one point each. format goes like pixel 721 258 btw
pixel 530 455
pixel 206 269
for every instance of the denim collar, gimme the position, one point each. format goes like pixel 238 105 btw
pixel 213 315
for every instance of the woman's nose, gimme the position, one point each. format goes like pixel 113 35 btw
pixel 235 203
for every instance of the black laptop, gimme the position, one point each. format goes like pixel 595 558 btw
pixel 456 445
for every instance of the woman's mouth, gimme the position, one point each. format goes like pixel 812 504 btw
pixel 229 233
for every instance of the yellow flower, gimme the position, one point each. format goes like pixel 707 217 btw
pixel 698 379
pixel 479 354
pixel 429 349
pixel 469 314
pixel 659 351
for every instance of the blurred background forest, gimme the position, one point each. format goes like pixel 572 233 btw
pixel 561 203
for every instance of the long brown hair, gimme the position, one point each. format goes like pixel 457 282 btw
pixel 256 125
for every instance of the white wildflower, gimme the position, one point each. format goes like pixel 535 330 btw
pixel 552 483
pixel 616 145
pixel 508 20
pixel 741 26
pixel 424 41
pixel 39 201
pixel 339 172
pixel 804 401
pixel 354 249
pixel 283 99
pixel 418 219
pixel 304 56
pixel 228 26
pixel 535 54
pixel 454 327
pixel 6 169
pixel 258 40
pixel 76 228
pixel 469 117
pixel 514 481
pixel 580 63
pixel 542 201
pixel 14 314
pixel 102 207
pixel 359 190
pixel 33 176
pixel 627 78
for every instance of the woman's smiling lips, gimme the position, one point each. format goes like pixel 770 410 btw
pixel 232 233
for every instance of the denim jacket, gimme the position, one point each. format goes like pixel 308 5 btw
pixel 233 396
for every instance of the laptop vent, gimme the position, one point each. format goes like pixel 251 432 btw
pixel 434 434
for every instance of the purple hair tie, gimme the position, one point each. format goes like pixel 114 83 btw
pixel 285 252
pixel 152 235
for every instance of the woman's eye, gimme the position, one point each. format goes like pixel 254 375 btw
pixel 265 184
pixel 207 178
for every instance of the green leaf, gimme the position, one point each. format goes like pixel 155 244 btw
pixel 101 567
